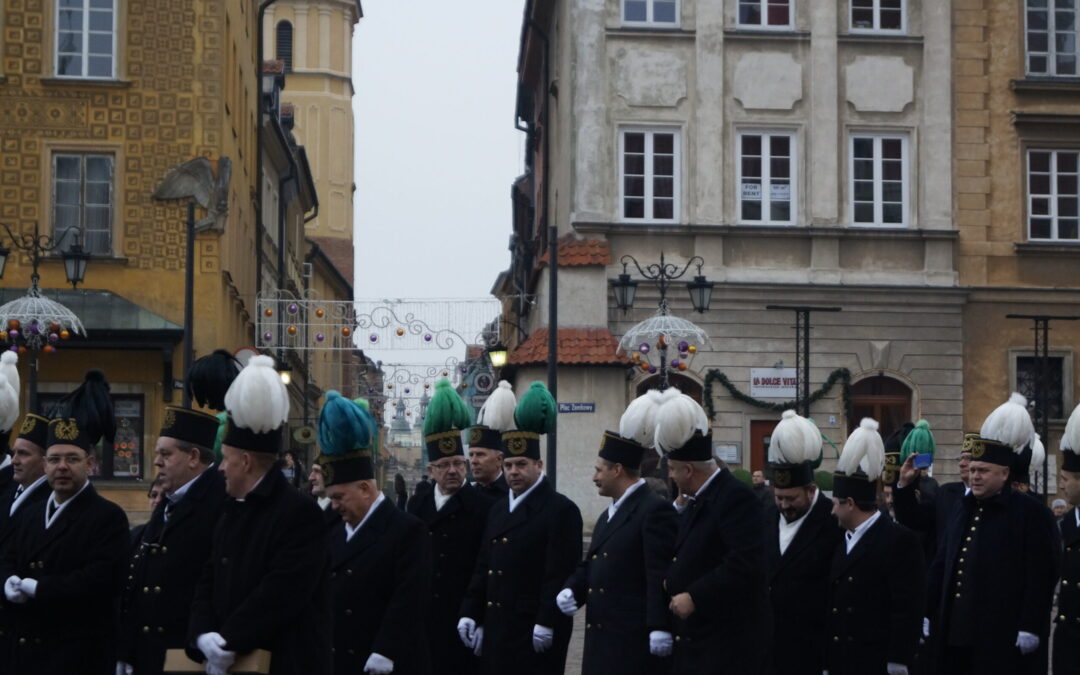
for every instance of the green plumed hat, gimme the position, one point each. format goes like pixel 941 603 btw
pixel 919 441
pixel 534 416
pixel 446 416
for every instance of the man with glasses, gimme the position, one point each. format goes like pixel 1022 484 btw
pixel 455 513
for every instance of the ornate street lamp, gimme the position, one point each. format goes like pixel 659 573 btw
pixel 497 353
pixel 662 274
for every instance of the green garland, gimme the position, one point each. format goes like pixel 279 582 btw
pixel 841 375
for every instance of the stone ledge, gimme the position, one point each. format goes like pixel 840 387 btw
pixel 1050 248
pixel 876 39
pixel 1062 85
pixel 78 82
pixel 642 32
pixel 758 34
pixel 780 231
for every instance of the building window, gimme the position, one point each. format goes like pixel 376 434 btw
pixel 879 186
pixel 649 173
pixel 284 45
pixel 1053 194
pixel 877 16
pixel 766 178
pixel 1027 377
pixel 651 12
pixel 765 13
pixel 1051 37
pixel 83 198
pixel 123 458
pixel 85 39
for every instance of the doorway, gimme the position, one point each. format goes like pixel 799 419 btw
pixel 760 435
pixel 882 398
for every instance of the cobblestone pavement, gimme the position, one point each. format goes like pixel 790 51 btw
pixel 577 645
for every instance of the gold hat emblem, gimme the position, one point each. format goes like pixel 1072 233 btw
pixel 969 443
pixel 170 418
pixel 516 446
pixel 447 446
pixel 892 459
pixel 475 435
pixel 66 430
pixel 28 425
pixel 978 448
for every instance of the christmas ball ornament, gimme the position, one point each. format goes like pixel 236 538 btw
pixel 293 309
pixel 692 349
pixel 683 346
pixel 400 332
pixel 54 338
pixel 407 390
pixel 652 369
pixel 292 330
pixel 34 328
pixel 445 373
pixel 49 349
pixel 674 363
pixel 3 335
pixel 682 366
pixel 268 312
pixel 408 414
pixel 346 331
pixel 319 337
pixel 635 357
pixel 373 338
pixel 644 348
pixel 427 337
pixel 65 334
pixel 14 334
pixel 268 336
pixel 645 367
pixel 390 385
pixel 13 324
pixel 684 355
pixel 427 385
pixel 54 327
pixel 320 313
pixel 371 390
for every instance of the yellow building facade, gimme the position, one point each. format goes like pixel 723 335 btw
pixel 1016 143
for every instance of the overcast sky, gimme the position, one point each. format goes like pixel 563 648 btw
pixel 436 148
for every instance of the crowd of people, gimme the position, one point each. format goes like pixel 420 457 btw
pixel 238 571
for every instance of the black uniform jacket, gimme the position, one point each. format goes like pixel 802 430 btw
pixel 799 587
pixel 875 609
pixel 927 516
pixel 7 476
pixel 1009 570
pixel 163 572
pixel 78 562
pixel 265 584
pixel 8 524
pixel 1067 630
pixel 720 561
pixel 620 583
pixel 524 561
pixel 379 583
pixel 455 533
pixel 496 490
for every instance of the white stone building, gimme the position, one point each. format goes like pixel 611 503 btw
pixel 801 149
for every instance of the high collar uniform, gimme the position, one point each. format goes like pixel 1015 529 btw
pixel 928 516
pixel 620 584
pixel 799 587
pixel 163 572
pixel 875 602
pixel 455 532
pixel 265 585
pixel 78 562
pixel 719 559
pixel 524 560
pixel 993 576
pixel 8 523
pixel 1067 620
pixel 379 584
pixel 496 490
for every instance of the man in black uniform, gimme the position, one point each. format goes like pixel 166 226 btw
pixel 485 441
pixel 381 565
pixel 174 546
pixel 800 539
pixel 1067 628
pixel 991 584
pixel 264 586
pixel 716 579
pixel 63 567
pixel 532 542
pixel 9 413
pixel 628 626
pixel 877 573
pixel 455 513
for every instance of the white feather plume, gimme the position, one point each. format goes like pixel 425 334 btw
pixel 864 450
pixel 1010 424
pixel 638 423
pixel 498 410
pixel 677 418
pixel 257 399
pixel 9 405
pixel 8 361
pixel 1070 440
pixel 1038 456
pixel 794 440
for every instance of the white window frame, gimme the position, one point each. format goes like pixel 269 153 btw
pixel 650 21
pixel 1051 33
pixel 877 29
pixel 85 54
pixel 676 206
pixel 905 172
pixel 1052 195
pixel 766 178
pixel 82 156
pixel 790 25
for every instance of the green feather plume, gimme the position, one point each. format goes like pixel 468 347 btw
pixel 918 442
pixel 446 411
pixel 223 418
pixel 536 410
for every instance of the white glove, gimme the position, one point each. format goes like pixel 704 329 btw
pixel 13 590
pixel 466 630
pixel 925 627
pixel 542 638
pixel 1027 642
pixel 566 602
pixel 660 643
pixel 211 669
pixel 29 587
pixel 123 668
pixel 896 669
pixel 212 645
pixel 479 640
pixel 379 665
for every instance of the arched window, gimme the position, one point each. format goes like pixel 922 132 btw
pixel 883 398
pixel 284 44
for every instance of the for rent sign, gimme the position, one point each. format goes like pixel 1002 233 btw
pixel 773 383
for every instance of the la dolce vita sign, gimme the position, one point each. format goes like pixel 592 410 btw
pixel 773 383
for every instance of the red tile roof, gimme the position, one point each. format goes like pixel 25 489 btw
pixel 577 346
pixel 574 252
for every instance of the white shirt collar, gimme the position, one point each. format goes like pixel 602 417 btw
pixel 60 507
pixel 324 502
pixel 855 535
pixel 350 531
pixel 789 530
pixel 708 480
pixel 514 501
pixel 182 490
pixel 1076 510
pixel 25 493
pixel 440 498
pixel 619 502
